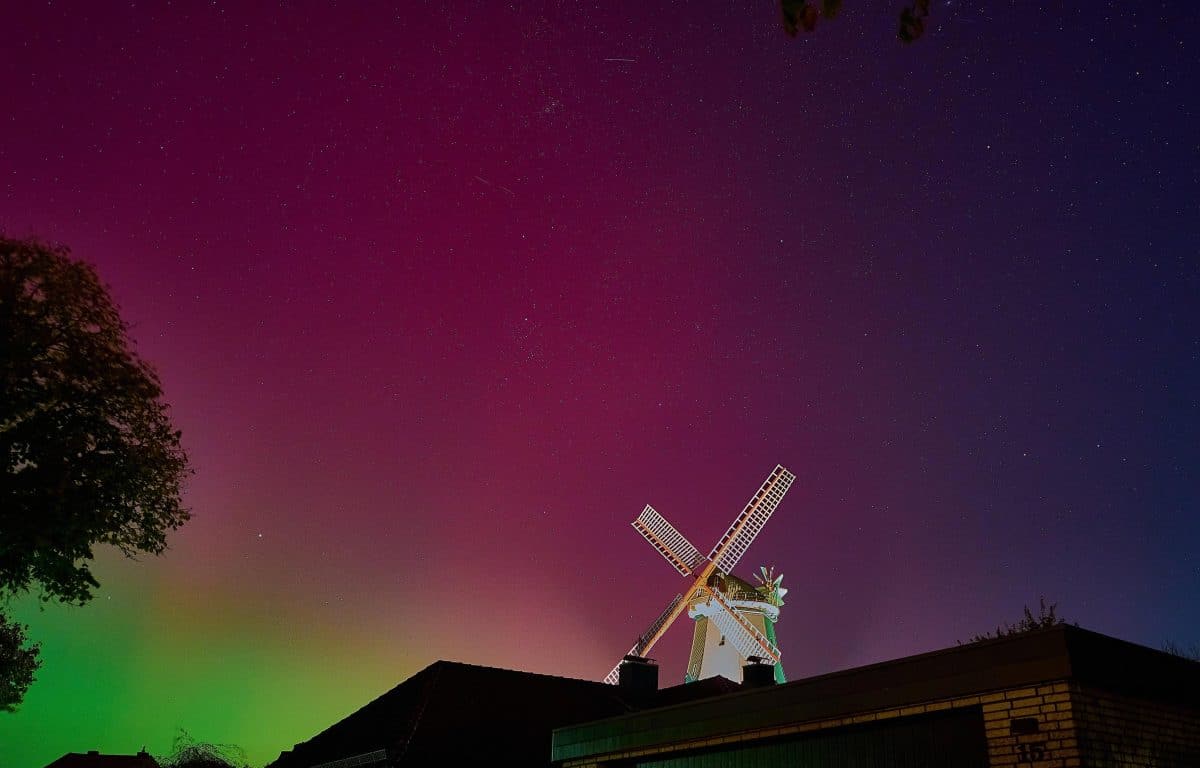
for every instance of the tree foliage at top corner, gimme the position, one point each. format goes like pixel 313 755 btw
pixel 1046 617
pixel 804 14
pixel 89 453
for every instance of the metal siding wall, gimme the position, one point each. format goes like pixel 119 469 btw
pixel 944 740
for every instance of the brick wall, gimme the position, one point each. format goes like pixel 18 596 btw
pixel 1031 727
pixel 1123 732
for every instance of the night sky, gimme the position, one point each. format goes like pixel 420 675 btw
pixel 442 297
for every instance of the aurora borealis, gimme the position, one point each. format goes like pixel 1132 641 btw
pixel 441 297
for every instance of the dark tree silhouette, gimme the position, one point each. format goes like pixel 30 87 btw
pixel 87 453
pixel 18 663
pixel 803 14
pixel 186 752
pixel 1046 617
pixel 1192 652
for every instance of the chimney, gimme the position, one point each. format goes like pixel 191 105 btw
pixel 756 674
pixel 93 752
pixel 638 676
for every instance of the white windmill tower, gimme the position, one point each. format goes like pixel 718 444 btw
pixel 734 619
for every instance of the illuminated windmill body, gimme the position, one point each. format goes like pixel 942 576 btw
pixel 734 619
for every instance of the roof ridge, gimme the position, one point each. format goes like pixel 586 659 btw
pixel 519 672
pixel 416 721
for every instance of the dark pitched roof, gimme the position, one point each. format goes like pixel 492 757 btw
pixel 701 689
pixel 472 714
pixel 469 711
pixel 96 760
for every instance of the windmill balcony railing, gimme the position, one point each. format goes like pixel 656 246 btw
pixel 747 595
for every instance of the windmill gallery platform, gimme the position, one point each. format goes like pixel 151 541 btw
pixel 1051 698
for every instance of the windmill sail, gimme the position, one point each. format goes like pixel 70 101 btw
pixel 648 638
pixel 754 516
pixel 744 636
pixel 669 542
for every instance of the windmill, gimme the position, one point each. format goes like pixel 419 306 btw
pixel 734 619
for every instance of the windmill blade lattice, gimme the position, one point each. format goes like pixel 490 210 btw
pixel 737 630
pixel 744 636
pixel 747 525
pixel 669 542
pixel 649 637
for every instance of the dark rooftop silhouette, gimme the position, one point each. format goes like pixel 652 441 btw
pixel 93 759
pixel 1062 652
pixel 477 714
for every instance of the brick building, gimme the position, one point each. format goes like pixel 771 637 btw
pixel 1048 699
